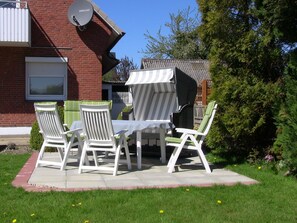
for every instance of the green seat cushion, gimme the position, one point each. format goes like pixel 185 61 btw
pixel 72 112
pixel 72 105
pixel 210 108
pixel 206 116
pixel 85 102
pixel 70 117
pixel 203 123
pixel 201 128
pixel 46 103
pixel 178 141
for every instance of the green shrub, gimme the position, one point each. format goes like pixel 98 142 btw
pixel 36 138
pixel 61 113
pixel 244 121
pixel 246 64
pixel 286 141
pixel 126 109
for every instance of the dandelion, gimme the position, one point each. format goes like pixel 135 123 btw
pixel 161 211
pixel 187 189
pixel 32 215
pixel 219 202
pixel 14 221
pixel 234 165
pixel 259 168
pixel 78 204
pixel 86 221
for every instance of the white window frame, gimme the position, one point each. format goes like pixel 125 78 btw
pixel 36 60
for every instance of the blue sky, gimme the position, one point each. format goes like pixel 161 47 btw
pixel 136 17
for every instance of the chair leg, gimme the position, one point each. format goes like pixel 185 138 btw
pixel 171 157
pixel 95 156
pixel 125 145
pixel 61 153
pixel 66 155
pixel 79 147
pixel 174 157
pixel 40 155
pixel 86 161
pixel 116 162
pixel 82 159
pixel 203 159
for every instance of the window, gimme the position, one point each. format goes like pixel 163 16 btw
pixel 46 78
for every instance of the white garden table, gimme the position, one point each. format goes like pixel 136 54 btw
pixel 138 126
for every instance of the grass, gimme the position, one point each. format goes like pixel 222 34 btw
pixel 273 200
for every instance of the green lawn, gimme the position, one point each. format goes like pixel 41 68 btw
pixel 273 200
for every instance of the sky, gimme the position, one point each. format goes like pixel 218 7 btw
pixel 137 17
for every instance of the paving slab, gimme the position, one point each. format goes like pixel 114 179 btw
pixel 152 175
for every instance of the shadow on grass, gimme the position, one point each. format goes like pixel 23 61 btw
pixel 221 159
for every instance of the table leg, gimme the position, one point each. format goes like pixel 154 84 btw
pixel 162 145
pixel 138 147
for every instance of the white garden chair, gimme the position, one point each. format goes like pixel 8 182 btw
pixel 192 139
pixel 68 143
pixel 99 137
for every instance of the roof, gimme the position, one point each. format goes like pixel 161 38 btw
pixel 114 82
pixel 117 31
pixel 109 61
pixel 197 69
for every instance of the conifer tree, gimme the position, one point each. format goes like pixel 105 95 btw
pixel 246 57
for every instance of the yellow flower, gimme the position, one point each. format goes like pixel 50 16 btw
pixel 32 215
pixel 79 203
pixel 187 189
pixel 259 168
pixel 161 211
pixel 14 221
pixel 219 202
pixel 86 221
pixel 73 205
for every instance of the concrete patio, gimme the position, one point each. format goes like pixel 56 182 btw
pixel 152 175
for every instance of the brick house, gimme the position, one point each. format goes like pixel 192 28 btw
pixel 44 57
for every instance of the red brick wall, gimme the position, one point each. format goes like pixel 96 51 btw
pixel 52 36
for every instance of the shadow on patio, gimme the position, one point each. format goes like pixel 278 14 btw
pixel 152 175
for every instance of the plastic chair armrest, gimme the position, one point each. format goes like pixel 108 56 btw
pixel 188 131
pixel 72 131
pixel 121 132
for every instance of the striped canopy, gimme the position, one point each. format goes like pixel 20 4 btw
pixel 150 76
pixel 156 94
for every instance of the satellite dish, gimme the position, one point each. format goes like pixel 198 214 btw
pixel 80 13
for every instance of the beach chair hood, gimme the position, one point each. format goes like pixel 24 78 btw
pixel 157 93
